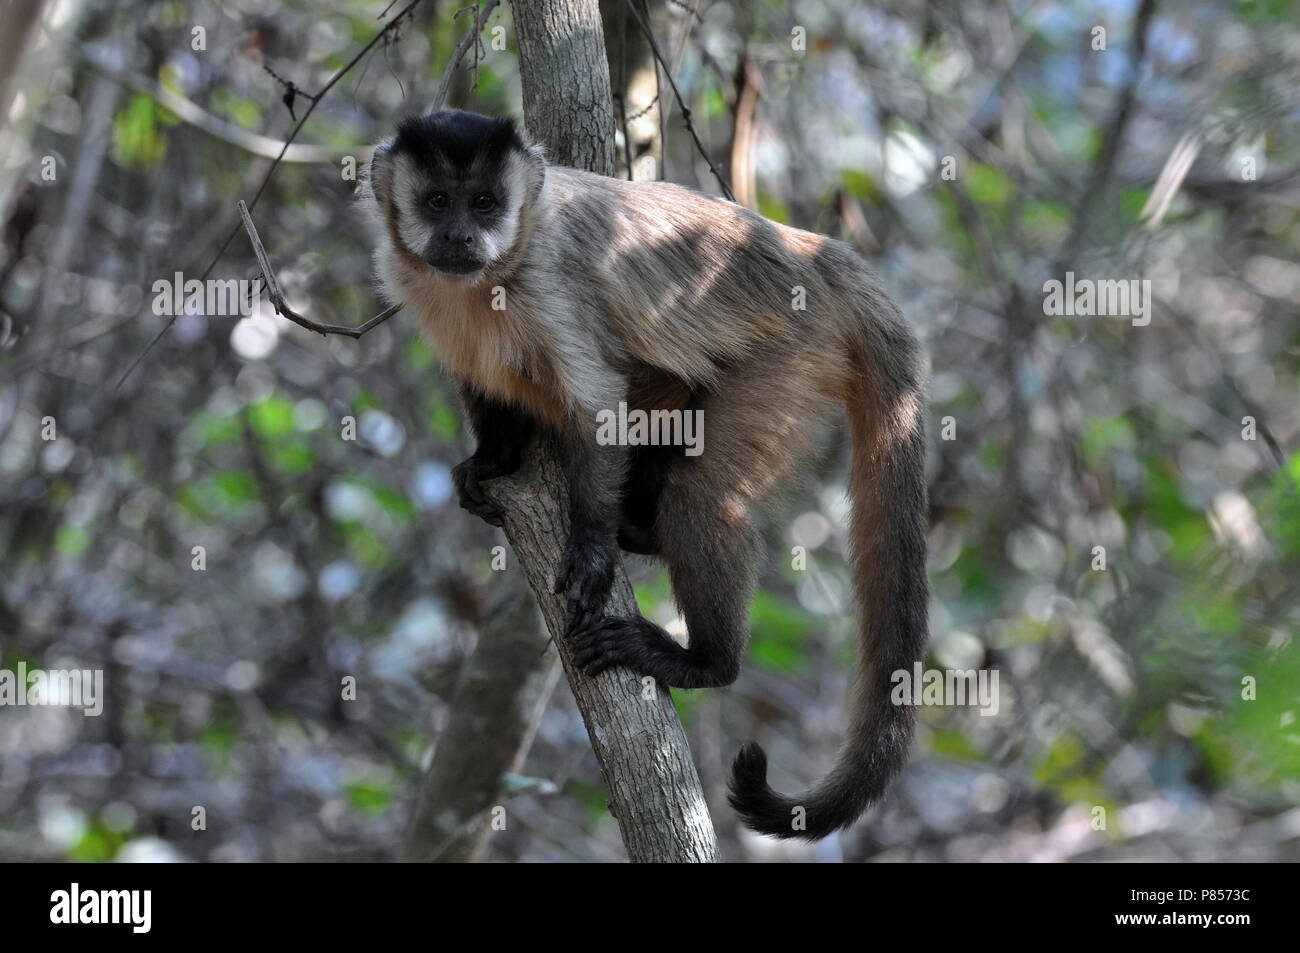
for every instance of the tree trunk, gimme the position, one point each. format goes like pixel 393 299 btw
pixel 654 790
pixel 565 78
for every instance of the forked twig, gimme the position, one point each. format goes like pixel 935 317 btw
pixel 276 295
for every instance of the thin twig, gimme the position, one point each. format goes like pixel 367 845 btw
pixel 273 289
pixel 1087 202
pixel 277 296
pixel 645 110
pixel 686 112
pixel 471 37
pixel 291 91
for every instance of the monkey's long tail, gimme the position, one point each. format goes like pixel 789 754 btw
pixel 887 485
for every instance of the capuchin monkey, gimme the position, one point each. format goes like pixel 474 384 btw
pixel 668 299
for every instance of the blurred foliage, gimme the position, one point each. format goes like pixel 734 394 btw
pixel 329 557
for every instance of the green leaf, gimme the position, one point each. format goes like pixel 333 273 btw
pixel 989 185
pixel 99 844
pixel 395 503
pixel 137 141
pixel 237 486
pixel 217 428
pixel 369 798
pixel 243 111
pixel 947 743
pixel 769 206
pixel 1045 223
pixel 293 458
pixel 1257 743
pixel 187 498
pixel 1104 436
pixel 272 418
pixel 445 422
pixel 861 186
pixel 1060 760
pixel 71 541
pixel 653 592
pixel 779 632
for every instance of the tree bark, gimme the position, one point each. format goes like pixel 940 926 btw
pixel 565 79
pixel 654 790
pixel 494 715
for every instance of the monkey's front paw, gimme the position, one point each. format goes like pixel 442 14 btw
pixel 466 476
pixel 586 574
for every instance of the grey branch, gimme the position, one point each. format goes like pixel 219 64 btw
pixel 277 296
pixel 492 720
pixel 191 112
pixel 315 99
pixel 653 788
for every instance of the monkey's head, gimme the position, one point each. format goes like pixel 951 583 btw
pixel 454 187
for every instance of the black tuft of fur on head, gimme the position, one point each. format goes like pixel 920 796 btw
pixel 456 137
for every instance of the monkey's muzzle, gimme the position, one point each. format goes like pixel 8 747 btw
pixel 454 264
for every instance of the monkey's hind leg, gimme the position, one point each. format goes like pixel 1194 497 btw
pixel 755 428
pixel 647 474
pixel 711 549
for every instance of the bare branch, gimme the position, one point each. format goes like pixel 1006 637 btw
pixel 471 37
pixel 1086 203
pixel 277 296
pixel 645 759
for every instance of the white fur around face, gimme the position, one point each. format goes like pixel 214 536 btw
pixel 407 194
pixel 501 239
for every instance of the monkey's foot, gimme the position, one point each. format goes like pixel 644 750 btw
pixel 466 476
pixel 586 574
pixel 637 643
pixel 648 650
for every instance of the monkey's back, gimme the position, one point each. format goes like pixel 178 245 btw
pixel 696 284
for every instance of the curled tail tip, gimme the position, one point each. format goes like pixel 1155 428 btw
pixel 760 808
pixel 817 814
pixel 750 766
pixel 751 796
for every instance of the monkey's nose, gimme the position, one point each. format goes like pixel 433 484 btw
pixel 459 239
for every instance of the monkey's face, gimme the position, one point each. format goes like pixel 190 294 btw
pixel 456 222
pixel 453 186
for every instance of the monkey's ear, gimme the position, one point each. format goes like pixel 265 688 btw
pixel 381 172
pixel 535 162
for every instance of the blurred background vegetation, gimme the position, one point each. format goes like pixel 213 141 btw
pixel 1172 154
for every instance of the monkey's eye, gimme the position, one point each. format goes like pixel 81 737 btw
pixel 438 201
pixel 484 202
